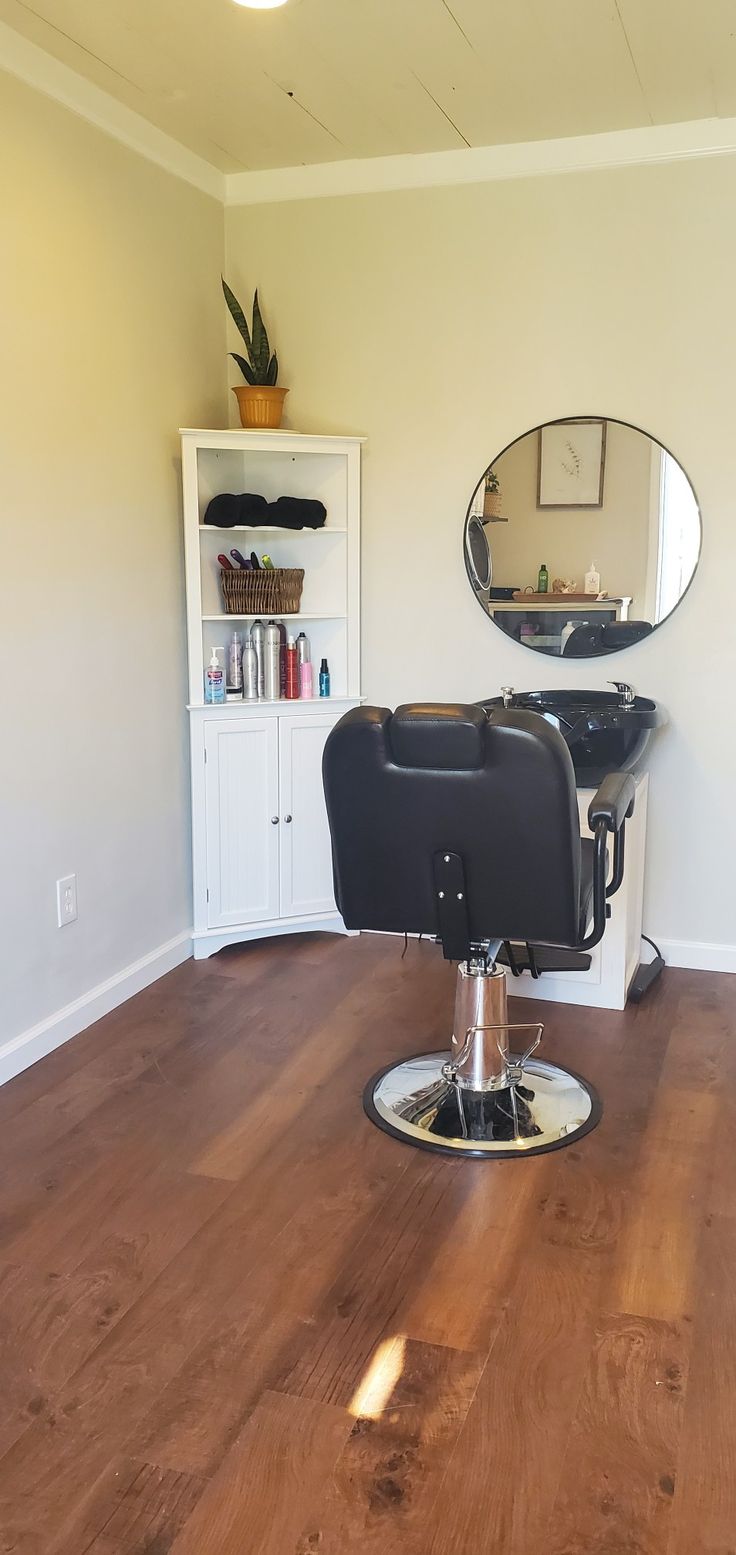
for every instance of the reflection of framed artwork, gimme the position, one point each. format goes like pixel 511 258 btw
pixel 572 458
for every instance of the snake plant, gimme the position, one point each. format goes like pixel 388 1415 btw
pixel 261 367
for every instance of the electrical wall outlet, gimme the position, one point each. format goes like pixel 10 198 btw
pixel 66 900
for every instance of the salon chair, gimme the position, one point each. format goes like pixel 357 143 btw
pixel 462 825
pixel 593 637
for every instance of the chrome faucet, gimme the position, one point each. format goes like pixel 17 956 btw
pixel 625 692
pixel 507 692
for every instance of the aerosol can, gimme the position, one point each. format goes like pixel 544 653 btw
pixel 257 637
pixel 235 663
pixel 250 672
pixel 272 662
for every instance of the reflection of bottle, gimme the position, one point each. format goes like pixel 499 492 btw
pixel 543 579
pixel 567 631
pixel 592 580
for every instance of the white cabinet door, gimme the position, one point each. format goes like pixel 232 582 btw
pixel 242 794
pixel 306 859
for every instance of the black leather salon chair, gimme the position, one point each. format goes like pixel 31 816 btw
pixel 591 638
pixel 462 825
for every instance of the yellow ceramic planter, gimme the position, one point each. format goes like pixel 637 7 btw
pixel 259 405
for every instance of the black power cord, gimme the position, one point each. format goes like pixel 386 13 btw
pixel 646 973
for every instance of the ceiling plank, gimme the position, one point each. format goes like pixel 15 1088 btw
pixel 326 80
pixel 538 71
pixel 686 56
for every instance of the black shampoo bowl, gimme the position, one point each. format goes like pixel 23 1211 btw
pixel 603 733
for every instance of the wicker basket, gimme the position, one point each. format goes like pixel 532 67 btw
pixel 272 591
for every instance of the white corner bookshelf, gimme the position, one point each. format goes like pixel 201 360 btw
pixel 261 849
pixel 276 464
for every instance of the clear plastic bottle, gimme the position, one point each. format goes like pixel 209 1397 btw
pixel 214 678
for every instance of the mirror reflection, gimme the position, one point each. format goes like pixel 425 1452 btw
pixel 581 537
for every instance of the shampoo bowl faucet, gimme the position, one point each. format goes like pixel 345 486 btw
pixel 625 692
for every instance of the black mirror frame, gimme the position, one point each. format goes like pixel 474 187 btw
pixel 535 431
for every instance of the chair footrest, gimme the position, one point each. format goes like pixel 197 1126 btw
pixel 540 958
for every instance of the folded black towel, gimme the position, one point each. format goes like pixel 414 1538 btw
pixel 226 509
pixel 297 513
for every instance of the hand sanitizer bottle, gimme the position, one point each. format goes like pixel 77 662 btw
pixel 214 679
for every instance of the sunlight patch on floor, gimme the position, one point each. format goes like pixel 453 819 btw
pixel 381 1376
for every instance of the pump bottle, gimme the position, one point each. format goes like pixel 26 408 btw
pixel 214 680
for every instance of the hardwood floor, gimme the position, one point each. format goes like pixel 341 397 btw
pixel 236 1317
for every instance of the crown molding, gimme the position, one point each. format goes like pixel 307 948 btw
pixel 19 57
pixel 486 164
pixel 657 143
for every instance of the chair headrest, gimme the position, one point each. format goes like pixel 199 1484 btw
pixel 446 737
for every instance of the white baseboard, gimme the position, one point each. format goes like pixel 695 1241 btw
pixel 22 1051
pixel 697 955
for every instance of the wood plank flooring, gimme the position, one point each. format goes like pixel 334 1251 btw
pixel 237 1319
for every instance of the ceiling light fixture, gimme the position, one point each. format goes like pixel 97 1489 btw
pixel 261 5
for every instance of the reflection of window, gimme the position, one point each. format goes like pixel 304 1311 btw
pixel 679 536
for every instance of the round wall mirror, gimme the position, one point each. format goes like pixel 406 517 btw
pixel 581 537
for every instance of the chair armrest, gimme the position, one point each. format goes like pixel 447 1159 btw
pixel 613 803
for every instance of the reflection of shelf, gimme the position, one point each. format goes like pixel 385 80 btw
pixel 261 529
pixel 540 604
pixel 280 615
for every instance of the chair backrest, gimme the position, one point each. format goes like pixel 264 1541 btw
pixel 585 641
pixel 592 638
pixel 498 790
pixel 621 634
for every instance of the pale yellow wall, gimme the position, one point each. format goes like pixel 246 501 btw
pixel 614 536
pixel 444 323
pixel 112 332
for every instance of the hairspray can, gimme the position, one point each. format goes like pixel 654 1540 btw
pixel 257 637
pixel 302 649
pixel 235 663
pixel 292 671
pixel 272 663
pixel 282 657
pixel 250 672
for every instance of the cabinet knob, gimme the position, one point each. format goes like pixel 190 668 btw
pixel 274 820
pixel 287 819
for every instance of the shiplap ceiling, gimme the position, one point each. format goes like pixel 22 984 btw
pixel 322 80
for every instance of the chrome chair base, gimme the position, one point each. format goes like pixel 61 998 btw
pixel 545 1109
